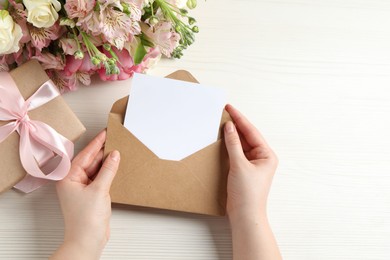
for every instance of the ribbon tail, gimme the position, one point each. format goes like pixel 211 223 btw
pixel 47 138
pixel 6 130
pixel 29 184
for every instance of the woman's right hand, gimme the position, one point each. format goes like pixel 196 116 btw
pixel 252 167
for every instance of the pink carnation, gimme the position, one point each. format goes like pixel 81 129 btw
pixel 150 59
pixel 125 65
pixel 78 70
pixel 73 65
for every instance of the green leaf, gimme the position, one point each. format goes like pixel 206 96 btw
pixel 140 53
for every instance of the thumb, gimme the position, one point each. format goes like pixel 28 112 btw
pixel 107 172
pixel 233 143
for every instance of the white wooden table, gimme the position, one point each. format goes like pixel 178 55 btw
pixel 314 76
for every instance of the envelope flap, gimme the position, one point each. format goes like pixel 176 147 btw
pixel 129 144
pixel 182 75
pixel 119 107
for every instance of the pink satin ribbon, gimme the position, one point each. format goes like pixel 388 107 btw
pixel 44 153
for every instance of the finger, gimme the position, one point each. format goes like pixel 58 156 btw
pixel 76 174
pixel 233 144
pixel 257 153
pixel 107 172
pixel 88 154
pixel 245 146
pixel 95 165
pixel 249 131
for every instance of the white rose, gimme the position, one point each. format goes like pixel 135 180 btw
pixel 42 13
pixel 10 34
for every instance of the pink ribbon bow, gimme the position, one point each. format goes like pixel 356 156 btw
pixel 41 148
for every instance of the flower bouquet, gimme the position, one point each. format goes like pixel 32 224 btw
pixel 75 39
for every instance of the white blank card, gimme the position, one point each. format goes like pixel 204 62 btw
pixel 173 118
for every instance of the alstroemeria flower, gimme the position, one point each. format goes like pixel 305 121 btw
pixel 23 55
pixel 69 46
pixel 112 23
pixel 49 61
pixel 164 36
pixel 78 8
pixel 41 37
pixel 3 64
pixel 78 70
pixel 61 81
pixel 90 23
pixel 116 27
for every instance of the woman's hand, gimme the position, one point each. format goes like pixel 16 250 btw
pixel 86 203
pixel 252 167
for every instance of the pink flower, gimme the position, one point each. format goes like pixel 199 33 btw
pixel 78 70
pixel 24 54
pixel 49 61
pixel 116 27
pixel 137 3
pixel 19 14
pixel 150 59
pixel 69 46
pixel 163 35
pixel 61 81
pixel 125 65
pixel 112 23
pixel 79 8
pixel 73 65
pixel 103 4
pixel 42 37
pixel 3 64
pixel 90 23
pixel 134 9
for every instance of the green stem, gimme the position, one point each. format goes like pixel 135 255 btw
pixel 85 40
pixel 91 48
pixel 6 5
pixel 151 9
pixel 114 56
pixel 76 39
pixel 167 10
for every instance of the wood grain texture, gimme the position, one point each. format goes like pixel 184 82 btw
pixel 314 76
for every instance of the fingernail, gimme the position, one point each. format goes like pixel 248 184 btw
pixel 229 127
pixel 115 155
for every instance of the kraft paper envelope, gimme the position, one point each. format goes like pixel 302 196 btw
pixel 195 184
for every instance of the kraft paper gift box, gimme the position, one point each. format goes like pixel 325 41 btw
pixel 196 184
pixel 56 113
